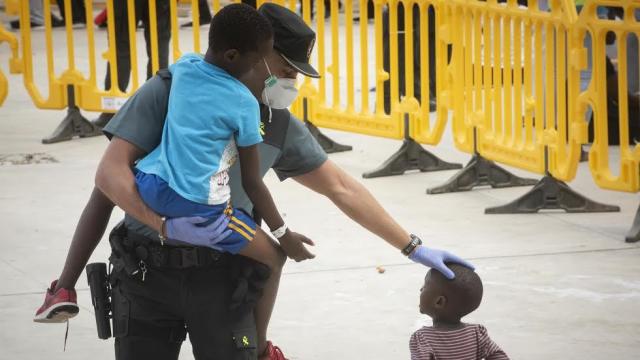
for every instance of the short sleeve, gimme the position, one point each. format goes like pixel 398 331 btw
pixel 248 131
pixel 488 349
pixel 141 119
pixel 301 153
pixel 419 348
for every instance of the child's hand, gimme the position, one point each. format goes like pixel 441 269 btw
pixel 190 230
pixel 436 259
pixel 293 245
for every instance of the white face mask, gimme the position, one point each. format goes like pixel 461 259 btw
pixel 278 93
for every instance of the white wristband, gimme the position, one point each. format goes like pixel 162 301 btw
pixel 279 232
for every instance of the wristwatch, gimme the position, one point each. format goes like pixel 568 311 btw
pixel 415 241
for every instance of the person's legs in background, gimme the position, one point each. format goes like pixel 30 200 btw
pixel 36 17
pixel 122 44
pixel 386 55
pixel 431 18
pixel 36 12
pixel 205 14
pixel 164 34
pixel 79 15
pixel 123 53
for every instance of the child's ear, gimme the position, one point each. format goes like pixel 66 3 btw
pixel 231 55
pixel 441 302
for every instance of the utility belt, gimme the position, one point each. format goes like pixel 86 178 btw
pixel 133 252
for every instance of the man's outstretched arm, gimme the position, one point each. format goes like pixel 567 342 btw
pixel 355 201
pixel 358 203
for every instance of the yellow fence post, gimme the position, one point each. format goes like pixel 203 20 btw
pixel 503 54
pixel 469 85
pixel 15 63
pixel 605 92
pixel 4 87
pixel 407 37
pixel 312 97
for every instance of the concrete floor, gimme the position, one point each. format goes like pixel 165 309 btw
pixel 558 286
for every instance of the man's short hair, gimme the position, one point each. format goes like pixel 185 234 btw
pixel 240 27
pixel 464 293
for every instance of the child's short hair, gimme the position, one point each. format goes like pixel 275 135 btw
pixel 464 293
pixel 240 27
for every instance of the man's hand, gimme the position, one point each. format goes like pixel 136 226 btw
pixel 191 230
pixel 293 245
pixel 436 259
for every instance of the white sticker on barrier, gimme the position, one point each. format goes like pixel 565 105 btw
pixel 113 102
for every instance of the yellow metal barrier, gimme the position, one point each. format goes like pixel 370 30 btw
pixel 423 129
pixel 12 7
pixel 350 57
pixel 76 83
pixel 510 84
pixel 327 105
pixel 14 62
pixel 515 78
pixel 600 155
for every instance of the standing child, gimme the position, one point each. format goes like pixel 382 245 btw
pixel 447 302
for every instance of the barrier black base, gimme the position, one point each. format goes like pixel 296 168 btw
pixel 328 145
pixel 481 172
pixel 411 156
pixel 549 194
pixel 74 124
pixel 634 233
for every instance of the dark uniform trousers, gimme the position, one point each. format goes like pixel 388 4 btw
pixel 151 317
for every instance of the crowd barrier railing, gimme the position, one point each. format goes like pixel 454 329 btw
pixel 507 77
pixel 75 87
pixel 350 95
pixel 15 64
pixel 614 168
pixel 512 100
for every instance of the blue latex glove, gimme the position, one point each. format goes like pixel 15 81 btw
pixel 191 230
pixel 436 259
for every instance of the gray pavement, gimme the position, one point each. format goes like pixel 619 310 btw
pixel 557 286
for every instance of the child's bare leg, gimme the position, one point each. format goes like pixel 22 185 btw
pixel 267 251
pixel 89 231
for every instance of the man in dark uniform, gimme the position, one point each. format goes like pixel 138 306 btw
pixel 192 289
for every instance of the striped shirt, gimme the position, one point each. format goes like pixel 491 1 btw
pixel 469 343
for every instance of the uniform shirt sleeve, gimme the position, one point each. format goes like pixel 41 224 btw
pixel 141 119
pixel 420 348
pixel 248 131
pixel 488 349
pixel 301 153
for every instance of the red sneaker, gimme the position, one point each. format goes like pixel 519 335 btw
pixel 272 352
pixel 58 306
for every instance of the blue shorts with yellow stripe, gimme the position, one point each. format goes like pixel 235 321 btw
pixel 157 194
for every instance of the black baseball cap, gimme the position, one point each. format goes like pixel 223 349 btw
pixel 292 38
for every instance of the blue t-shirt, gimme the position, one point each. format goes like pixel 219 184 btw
pixel 209 112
